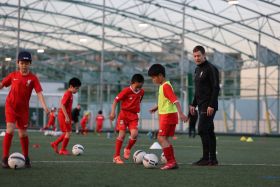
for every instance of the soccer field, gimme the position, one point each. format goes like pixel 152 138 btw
pixel 241 164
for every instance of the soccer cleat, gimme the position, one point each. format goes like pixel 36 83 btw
pixel 64 152
pixel 126 153
pixel 201 162
pixel 172 165
pixel 117 160
pixel 213 163
pixel 55 148
pixel 5 163
pixel 27 162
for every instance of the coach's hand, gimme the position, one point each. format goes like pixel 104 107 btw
pixel 192 110
pixel 210 111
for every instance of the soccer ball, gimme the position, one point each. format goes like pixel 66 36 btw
pixel 78 150
pixel 16 160
pixel 47 133
pixel 138 156
pixel 150 161
pixel 163 158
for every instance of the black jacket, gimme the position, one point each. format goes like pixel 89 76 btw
pixel 206 86
pixel 75 114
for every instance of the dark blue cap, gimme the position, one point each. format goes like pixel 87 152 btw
pixel 24 56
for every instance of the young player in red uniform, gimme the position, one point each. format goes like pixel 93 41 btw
pixel 51 121
pixel 99 122
pixel 84 122
pixel 64 116
pixel 168 108
pixel 130 98
pixel 22 83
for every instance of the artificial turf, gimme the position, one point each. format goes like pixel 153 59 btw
pixel 241 164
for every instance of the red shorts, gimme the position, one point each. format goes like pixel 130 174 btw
pixel 167 124
pixel 21 119
pixel 99 127
pixel 64 127
pixel 127 120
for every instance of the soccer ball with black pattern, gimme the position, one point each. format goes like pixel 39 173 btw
pixel 138 156
pixel 78 150
pixel 16 161
pixel 150 161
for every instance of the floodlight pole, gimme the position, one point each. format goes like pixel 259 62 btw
pixel 258 86
pixel 278 96
pixel 182 65
pixel 102 57
pixel 18 29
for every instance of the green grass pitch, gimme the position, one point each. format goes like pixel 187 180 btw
pixel 241 164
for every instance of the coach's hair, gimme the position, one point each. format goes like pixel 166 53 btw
pixel 75 82
pixel 156 69
pixel 137 78
pixel 199 48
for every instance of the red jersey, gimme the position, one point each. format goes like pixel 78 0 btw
pixel 130 100
pixel 67 101
pixel 99 119
pixel 21 90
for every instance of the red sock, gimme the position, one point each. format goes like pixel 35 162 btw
pixel 168 154
pixel 24 141
pixel 131 142
pixel 65 143
pixel 7 142
pixel 118 147
pixel 59 139
pixel 172 154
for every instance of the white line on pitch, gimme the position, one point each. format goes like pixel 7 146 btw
pixel 104 162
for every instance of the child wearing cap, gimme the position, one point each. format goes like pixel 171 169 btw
pixel 22 83
pixel 65 118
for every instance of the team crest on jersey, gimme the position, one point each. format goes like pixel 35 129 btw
pixel 121 122
pixel 130 98
pixel 28 82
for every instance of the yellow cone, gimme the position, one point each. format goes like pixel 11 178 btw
pixel 243 139
pixel 249 139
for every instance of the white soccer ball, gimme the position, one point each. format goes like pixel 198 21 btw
pixel 163 158
pixel 16 160
pixel 150 161
pixel 47 133
pixel 78 150
pixel 138 156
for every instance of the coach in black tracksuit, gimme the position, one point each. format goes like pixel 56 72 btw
pixel 206 98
